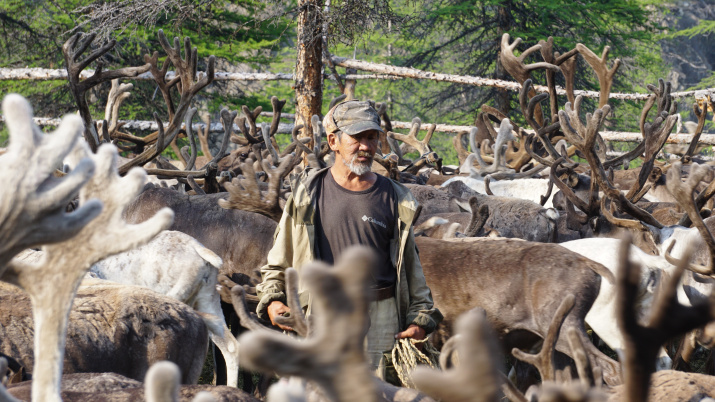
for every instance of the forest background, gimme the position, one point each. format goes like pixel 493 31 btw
pixel 653 38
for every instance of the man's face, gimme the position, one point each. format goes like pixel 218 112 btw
pixel 357 151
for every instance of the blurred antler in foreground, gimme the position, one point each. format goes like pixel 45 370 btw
pixel 103 197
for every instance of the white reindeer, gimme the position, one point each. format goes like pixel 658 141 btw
pixel 177 265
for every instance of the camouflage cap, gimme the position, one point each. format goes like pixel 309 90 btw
pixel 352 117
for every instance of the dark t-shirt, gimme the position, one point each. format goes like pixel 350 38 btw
pixel 347 218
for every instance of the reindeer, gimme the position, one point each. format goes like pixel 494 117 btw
pixel 176 265
pixel 510 217
pixel 476 375
pixel 519 284
pixel 34 204
pixel 112 328
pixel 161 384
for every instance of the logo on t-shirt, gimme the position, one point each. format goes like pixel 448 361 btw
pixel 366 218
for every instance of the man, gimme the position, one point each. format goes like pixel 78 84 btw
pixel 346 204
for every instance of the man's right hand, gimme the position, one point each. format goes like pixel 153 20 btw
pixel 277 308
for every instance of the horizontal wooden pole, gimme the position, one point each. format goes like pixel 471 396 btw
pixel 286 128
pixel 381 71
pixel 45 74
pixel 414 73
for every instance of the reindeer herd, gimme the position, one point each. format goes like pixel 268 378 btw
pixel 111 289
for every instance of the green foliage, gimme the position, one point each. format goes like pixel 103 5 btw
pixel 707 82
pixel 447 36
pixel 35 31
pixel 31 31
pixel 229 35
pixel 4 136
pixel 704 27
pixel 464 37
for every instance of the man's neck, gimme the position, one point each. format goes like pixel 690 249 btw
pixel 349 180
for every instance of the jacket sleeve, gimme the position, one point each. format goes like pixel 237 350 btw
pixel 280 257
pixel 421 310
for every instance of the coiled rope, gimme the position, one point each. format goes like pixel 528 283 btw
pixel 406 356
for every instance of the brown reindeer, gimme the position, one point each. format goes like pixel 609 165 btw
pixel 519 284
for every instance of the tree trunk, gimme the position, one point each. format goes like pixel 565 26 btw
pixel 309 65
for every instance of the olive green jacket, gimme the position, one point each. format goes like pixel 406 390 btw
pixel 294 245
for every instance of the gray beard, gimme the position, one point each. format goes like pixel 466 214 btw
pixel 358 168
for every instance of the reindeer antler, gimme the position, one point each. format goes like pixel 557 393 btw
pixel 683 194
pixel 204 135
pixel 72 50
pixel 227 118
pixel 297 319
pixel 277 105
pixel 701 114
pixel 477 376
pixel 583 364
pixel 461 144
pixel 250 133
pixel 557 59
pixel 544 360
pixel 584 138
pixel 209 170
pixel 190 85
pixel 543 132
pixel 103 236
pixel 411 138
pixel 599 65
pixel 117 95
pixel 189 160
pixel 33 201
pixel 245 194
pixel 655 134
pixel 499 165
pixel 390 163
pixel 427 157
pixel 516 67
pixel 387 124
pixel 667 319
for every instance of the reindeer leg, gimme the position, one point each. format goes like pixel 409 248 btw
pixel 683 355
pixel 228 345
pixel 611 369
